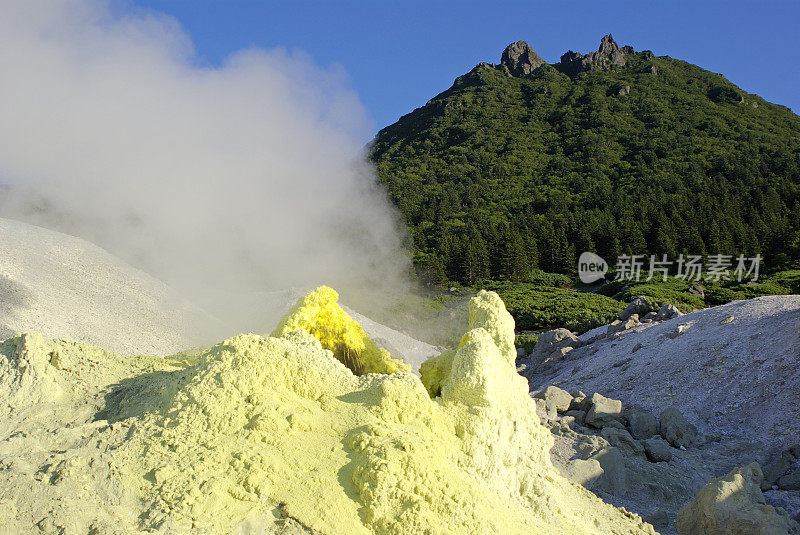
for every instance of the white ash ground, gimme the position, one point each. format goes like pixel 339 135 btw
pixel 68 288
pixel 735 379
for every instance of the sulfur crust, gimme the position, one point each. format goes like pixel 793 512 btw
pixel 320 314
pixel 257 432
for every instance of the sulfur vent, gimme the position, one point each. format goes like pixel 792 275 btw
pixel 319 314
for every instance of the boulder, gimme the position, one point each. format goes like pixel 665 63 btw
pixel 587 445
pixel 657 450
pixel 622 440
pixel 580 402
pixel 619 326
pixel 579 416
pixel 790 481
pixel 543 412
pixel 776 469
pixel 556 399
pixel 603 410
pixel 677 430
pixel 697 290
pixel 614 479
pixel 639 306
pixel 659 519
pixel 642 423
pixel 557 338
pixel 559 353
pixel 650 316
pixel 584 472
pixel 667 312
pixel 733 505
pixel 553 344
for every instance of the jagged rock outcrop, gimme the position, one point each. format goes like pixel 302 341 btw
pixel 607 56
pixel 520 59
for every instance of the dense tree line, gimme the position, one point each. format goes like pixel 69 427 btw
pixel 499 175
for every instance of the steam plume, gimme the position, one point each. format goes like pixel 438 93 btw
pixel 248 175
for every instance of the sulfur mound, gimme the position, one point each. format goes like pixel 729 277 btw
pixel 260 434
pixel 320 314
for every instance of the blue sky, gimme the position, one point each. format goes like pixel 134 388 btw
pixel 400 54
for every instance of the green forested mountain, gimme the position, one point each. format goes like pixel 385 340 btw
pixel 524 164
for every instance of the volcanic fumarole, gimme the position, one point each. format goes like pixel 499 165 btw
pixel 255 433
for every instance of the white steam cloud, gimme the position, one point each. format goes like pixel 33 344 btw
pixel 249 175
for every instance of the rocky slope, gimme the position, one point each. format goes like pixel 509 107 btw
pixel 701 394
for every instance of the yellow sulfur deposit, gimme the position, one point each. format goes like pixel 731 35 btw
pixel 320 314
pixel 269 434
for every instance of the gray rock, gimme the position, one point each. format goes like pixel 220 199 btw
pixel 603 411
pixel 557 400
pixel 641 423
pixel 558 338
pixel 667 312
pixel 543 412
pixel 639 306
pixel 614 478
pixel 520 59
pixel 619 326
pixel 616 424
pixel 580 402
pixel 787 500
pixel 579 416
pixel 554 345
pixel 733 504
pixel 790 481
pixel 607 56
pixel 677 430
pixel 776 469
pixel 697 290
pixel 657 450
pixel 659 519
pixel 622 440
pixel 624 90
pixel 560 353
pixel 584 472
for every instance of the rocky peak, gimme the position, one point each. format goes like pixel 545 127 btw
pixel 607 45
pixel 520 59
pixel 609 54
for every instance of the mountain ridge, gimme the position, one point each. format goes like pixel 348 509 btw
pixel 524 164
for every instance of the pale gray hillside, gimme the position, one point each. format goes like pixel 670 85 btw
pixel 66 287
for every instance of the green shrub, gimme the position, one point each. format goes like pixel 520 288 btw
pixel 543 278
pixel 526 341
pixel 787 279
pixel 544 307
